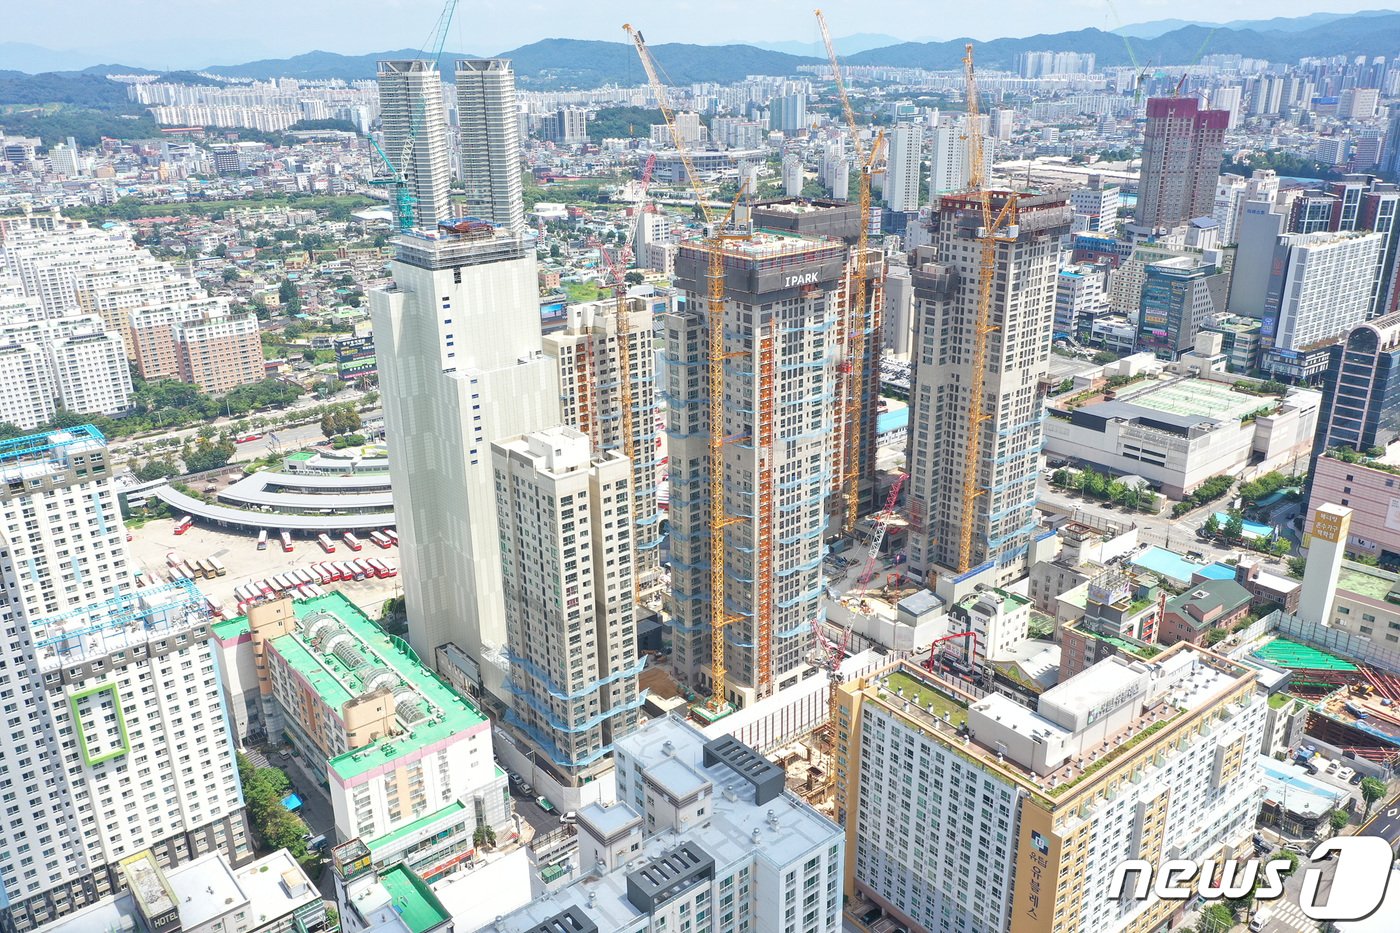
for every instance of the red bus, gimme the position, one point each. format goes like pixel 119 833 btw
pixel 392 535
pixel 380 568
pixel 286 541
pixel 352 542
pixel 380 539
pixel 266 589
pixel 183 525
pixel 326 543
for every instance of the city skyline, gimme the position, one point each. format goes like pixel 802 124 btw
pixel 118 34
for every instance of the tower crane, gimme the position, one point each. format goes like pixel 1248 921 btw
pixel 857 324
pixel 403 199
pixel 718 231
pixel 993 231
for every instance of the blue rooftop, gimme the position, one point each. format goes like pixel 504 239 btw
pixel 18 448
pixel 1172 565
pixel 892 421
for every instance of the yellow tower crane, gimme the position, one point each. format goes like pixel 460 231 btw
pixel 718 232
pixel 857 324
pixel 991 233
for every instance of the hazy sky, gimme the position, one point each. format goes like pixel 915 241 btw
pixel 185 29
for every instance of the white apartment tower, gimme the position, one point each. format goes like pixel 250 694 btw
pixel 567 561
pixel 415 135
pixel 460 365
pixel 950 163
pixel 490 135
pixel 113 739
pixel 590 367
pixel 782 304
pixel 1017 357
pixel 904 157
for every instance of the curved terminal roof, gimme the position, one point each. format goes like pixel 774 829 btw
pixel 255 520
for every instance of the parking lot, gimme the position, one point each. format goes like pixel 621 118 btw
pixel 239 553
pixel 527 805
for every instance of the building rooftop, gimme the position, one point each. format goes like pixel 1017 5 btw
pixel 341 654
pixel 1362 580
pixel 1205 602
pixel 413 900
pixel 50 444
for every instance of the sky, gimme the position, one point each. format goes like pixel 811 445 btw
pixel 186 33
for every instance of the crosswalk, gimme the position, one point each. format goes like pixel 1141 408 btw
pixel 1285 916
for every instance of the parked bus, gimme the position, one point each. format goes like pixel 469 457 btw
pixel 380 539
pixel 183 525
pixel 286 541
pixel 392 535
pixel 178 573
pixel 218 565
pixel 380 568
pixel 188 570
pixel 265 588
pixel 352 542
pixel 351 571
pixel 172 558
pixel 207 569
pixel 215 607
pixel 326 543
pixel 262 540
pixel 305 576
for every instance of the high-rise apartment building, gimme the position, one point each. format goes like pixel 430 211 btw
pixel 1181 154
pixel 703 837
pixel 783 303
pixel 904 158
pixel 567 126
pixel 590 367
pixel 1229 199
pixel 415 135
pixel 490 134
pixel 950 165
pixel 448 393
pixel 123 744
pixel 1229 100
pixel 219 354
pixel 566 525
pixel 1361 389
pixel 946 297
pixel 788 113
pixel 967 814
pixel 69 361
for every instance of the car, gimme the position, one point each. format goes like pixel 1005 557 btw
pixel 871 915
pixel 1333 766
pixel 569 816
pixel 544 803
pixel 1355 778
pixel 1345 774
pixel 526 789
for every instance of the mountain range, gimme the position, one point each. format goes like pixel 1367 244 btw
pixel 1158 27
pixel 561 63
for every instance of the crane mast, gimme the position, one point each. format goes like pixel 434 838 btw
pixel 857 322
pixel 989 235
pixel 716 236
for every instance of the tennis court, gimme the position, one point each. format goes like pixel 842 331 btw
pixel 1295 656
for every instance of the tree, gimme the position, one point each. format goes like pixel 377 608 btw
pixel 1338 819
pixel 1372 789
pixel 1212 526
pixel 484 837
pixel 286 292
pixel 1061 477
pixel 1234 529
pixel 1297 566
pixel 634 278
pixel 1217 918
pixel 340 419
pixel 207 455
pixel 156 469
pixel 1215 636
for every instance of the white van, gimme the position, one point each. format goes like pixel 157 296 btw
pixel 1260 920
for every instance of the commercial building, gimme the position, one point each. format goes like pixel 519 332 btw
pixel 946 299
pixel 407 760
pixel 566 526
pixel 415 135
pixel 1178 433
pixel 1370 487
pixel 782 306
pixel 590 367
pixel 904 160
pixel 1181 152
pixel 490 134
pixel 1361 389
pixel 1095 207
pixel 1080 299
pixel 206 895
pixel 972 814
pixel 123 713
pixel 703 836
pixel 1178 297
pixel 447 395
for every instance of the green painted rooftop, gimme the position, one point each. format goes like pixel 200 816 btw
pixel 414 901
pixel 337 680
pixel 1364 581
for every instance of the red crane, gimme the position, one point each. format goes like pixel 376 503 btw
pixel 882 523
pixel 931 664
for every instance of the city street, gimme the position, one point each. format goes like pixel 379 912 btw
pixel 1174 534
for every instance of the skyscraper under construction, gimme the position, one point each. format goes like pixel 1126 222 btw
pixel 783 302
pixel 947 278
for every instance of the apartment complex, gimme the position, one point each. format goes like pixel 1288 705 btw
pixel 588 357
pixel 566 527
pixel 490 135
pixel 120 697
pixel 967 814
pixel 950 162
pixel 407 760
pixel 198 342
pixel 415 136
pixel 1181 152
pixel 946 297
pixel 703 837
pixel 904 160
pixel 782 304
pixel 71 361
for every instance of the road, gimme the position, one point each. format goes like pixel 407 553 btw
pixel 1175 534
pixel 1385 823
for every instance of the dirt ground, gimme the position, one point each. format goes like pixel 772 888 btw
pixel 239 553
